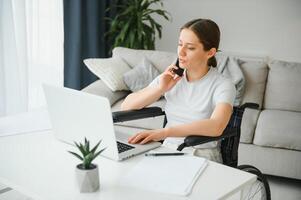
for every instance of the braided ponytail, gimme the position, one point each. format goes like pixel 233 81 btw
pixel 212 62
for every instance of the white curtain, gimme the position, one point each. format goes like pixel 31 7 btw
pixel 31 52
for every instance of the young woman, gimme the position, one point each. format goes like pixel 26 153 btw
pixel 197 103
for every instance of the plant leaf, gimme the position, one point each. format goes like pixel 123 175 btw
pixel 76 155
pixel 88 146
pixel 133 27
pixel 79 146
pixel 97 154
pixel 87 160
pixel 82 149
pixel 95 147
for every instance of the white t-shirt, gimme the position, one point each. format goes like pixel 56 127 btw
pixel 191 101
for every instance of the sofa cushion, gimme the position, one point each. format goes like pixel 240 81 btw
pixel 141 75
pixel 229 67
pixel 254 69
pixel 248 125
pixel 147 123
pixel 283 86
pixel 100 88
pixel 272 161
pixel 160 59
pixel 281 129
pixel 255 73
pixel 109 70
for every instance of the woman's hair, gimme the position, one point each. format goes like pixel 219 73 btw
pixel 208 33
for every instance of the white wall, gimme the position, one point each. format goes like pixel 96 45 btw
pixel 253 27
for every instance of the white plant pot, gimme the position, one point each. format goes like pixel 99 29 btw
pixel 88 179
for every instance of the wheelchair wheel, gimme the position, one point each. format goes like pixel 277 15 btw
pixel 258 190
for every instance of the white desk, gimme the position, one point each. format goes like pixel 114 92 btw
pixel 39 166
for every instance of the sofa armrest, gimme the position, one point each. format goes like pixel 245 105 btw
pixel 99 88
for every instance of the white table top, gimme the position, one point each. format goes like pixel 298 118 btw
pixel 39 166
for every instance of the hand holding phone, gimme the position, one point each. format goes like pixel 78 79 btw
pixel 169 78
pixel 178 71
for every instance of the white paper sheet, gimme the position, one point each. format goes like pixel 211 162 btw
pixel 166 174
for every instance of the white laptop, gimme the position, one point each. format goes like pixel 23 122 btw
pixel 75 115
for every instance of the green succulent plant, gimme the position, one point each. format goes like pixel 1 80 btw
pixel 87 154
pixel 134 26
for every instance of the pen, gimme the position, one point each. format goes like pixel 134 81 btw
pixel 165 154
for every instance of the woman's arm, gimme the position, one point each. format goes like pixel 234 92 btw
pixel 142 98
pixel 208 127
pixel 150 94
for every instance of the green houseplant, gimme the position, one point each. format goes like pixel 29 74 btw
pixel 134 26
pixel 87 172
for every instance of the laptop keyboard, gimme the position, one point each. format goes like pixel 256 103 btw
pixel 123 147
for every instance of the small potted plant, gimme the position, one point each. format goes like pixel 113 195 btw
pixel 86 172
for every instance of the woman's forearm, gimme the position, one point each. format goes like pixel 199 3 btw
pixel 207 127
pixel 141 98
pixel 214 126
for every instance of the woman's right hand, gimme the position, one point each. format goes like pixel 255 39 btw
pixel 168 79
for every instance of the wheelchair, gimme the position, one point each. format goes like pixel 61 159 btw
pixel 229 144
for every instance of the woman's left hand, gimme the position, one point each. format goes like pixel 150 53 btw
pixel 147 136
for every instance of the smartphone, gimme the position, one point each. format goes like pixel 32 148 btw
pixel 180 70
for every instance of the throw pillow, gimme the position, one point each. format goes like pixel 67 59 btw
pixel 141 75
pixel 109 70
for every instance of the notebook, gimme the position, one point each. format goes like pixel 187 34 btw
pixel 166 174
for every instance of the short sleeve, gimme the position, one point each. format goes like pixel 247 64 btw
pixel 225 92
pixel 155 82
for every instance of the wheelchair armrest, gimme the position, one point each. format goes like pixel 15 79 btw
pixel 249 105
pixel 128 115
pixel 194 140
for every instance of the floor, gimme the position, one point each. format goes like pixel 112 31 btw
pixel 284 189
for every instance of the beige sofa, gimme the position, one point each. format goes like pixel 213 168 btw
pixel 271 136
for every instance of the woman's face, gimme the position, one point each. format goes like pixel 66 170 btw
pixel 191 52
